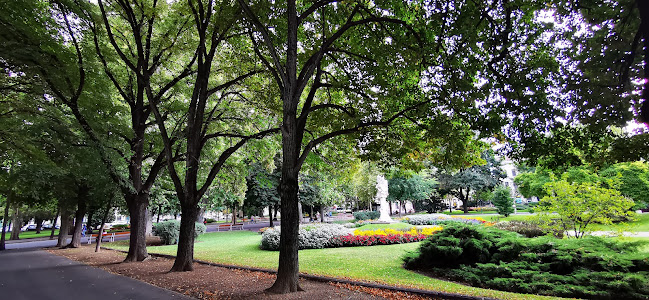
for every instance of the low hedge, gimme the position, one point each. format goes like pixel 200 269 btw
pixel 590 267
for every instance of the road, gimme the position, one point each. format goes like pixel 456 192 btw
pixel 36 274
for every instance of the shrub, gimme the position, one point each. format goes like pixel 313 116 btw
pixel 210 220
pixel 169 231
pixel 503 201
pixel 310 236
pixel 120 226
pixel 366 215
pixel 438 219
pixel 592 267
pixel 525 228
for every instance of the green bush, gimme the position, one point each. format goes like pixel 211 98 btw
pixel 169 231
pixel 591 267
pixel 366 215
pixel 527 229
pixel 210 220
pixel 120 227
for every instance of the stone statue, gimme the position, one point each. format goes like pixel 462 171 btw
pixel 382 196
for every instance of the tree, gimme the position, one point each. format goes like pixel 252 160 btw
pixel 633 181
pixel 503 201
pixel 574 207
pixel 409 187
pixel 345 67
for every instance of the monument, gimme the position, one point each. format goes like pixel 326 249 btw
pixel 382 196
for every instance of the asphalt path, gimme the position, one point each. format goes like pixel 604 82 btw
pixel 36 274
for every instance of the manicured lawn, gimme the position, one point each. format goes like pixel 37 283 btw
pixel 33 234
pixel 640 224
pixel 376 263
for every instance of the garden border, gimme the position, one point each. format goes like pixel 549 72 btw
pixel 421 292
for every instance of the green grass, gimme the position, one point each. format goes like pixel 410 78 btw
pixel 377 263
pixel 33 234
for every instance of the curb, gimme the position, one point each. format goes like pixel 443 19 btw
pixel 426 293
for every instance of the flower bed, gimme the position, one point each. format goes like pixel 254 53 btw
pixel 332 235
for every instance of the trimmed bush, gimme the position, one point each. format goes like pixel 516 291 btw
pixel 438 219
pixel 169 231
pixel 310 236
pixel 592 267
pixel 525 228
pixel 366 215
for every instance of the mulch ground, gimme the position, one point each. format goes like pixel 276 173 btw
pixel 209 282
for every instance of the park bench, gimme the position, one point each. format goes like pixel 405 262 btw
pixel 229 227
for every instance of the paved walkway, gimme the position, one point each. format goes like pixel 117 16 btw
pixel 36 274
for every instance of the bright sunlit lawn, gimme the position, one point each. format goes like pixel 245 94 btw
pixel 641 223
pixel 376 263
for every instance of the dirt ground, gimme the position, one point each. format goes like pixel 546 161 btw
pixel 209 282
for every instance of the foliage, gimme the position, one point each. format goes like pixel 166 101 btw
pixel 503 200
pixel 587 268
pixel 409 187
pixel 574 207
pixel 366 215
pixel 169 231
pixel 633 181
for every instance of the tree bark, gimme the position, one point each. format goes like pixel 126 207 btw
pixel 4 221
pixel 65 227
pixel 91 214
pixel 54 223
pixel 185 253
pixel 149 223
pixel 103 224
pixel 18 223
pixel 39 224
pixel 78 217
pixel 270 215
pixel 137 205
pixel 299 210
pixel 322 213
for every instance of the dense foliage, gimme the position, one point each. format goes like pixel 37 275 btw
pixel 591 268
pixel 503 201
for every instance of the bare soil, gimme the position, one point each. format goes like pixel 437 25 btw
pixel 210 282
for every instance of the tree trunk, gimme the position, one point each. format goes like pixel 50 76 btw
pixel 103 223
pixel 18 223
pixel 65 227
pixel 149 223
pixel 54 223
pixel 465 202
pixel 322 213
pixel 78 218
pixel 287 273
pixel 4 221
pixel 39 224
pixel 270 215
pixel 185 253
pixel 137 205
pixel 299 211
pixel 91 214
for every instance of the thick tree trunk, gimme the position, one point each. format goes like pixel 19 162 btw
pixel 465 202
pixel 287 273
pixel 18 223
pixel 137 205
pixel 65 227
pixel 4 222
pixel 299 211
pixel 100 234
pixel 82 198
pixel 39 224
pixel 185 253
pixel 54 223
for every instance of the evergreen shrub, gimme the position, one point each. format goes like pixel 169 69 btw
pixel 592 267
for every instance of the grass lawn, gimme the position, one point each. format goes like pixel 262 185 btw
pixel 640 224
pixel 376 263
pixel 33 234
pixel 398 225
